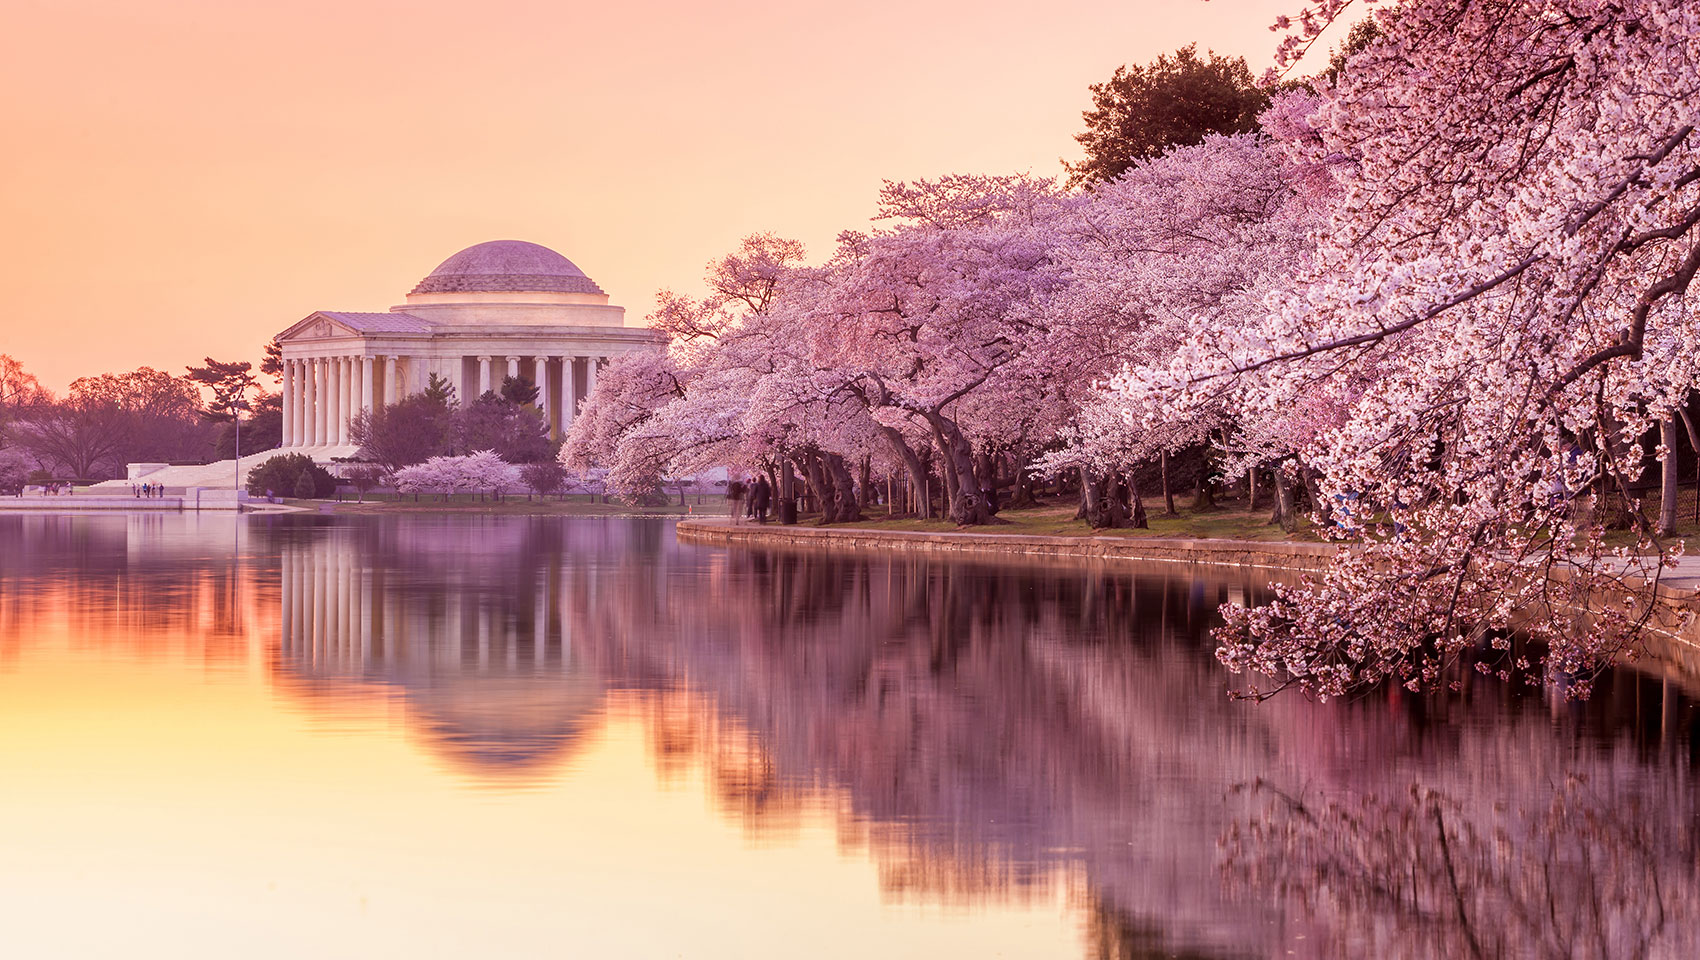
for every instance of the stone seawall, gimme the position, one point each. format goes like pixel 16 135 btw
pixel 82 503
pixel 1257 555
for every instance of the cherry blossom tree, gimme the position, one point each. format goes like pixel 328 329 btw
pixel 1498 306
pixel 480 472
pixel 922 316
pixel 1182 246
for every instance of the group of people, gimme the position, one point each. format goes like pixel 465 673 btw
pixel 150 490
pixel 760 496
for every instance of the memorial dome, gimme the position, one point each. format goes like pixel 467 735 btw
pixel 507 266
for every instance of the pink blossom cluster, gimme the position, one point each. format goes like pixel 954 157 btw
pixel 481 472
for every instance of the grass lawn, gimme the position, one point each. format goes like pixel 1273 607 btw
pixel 1229 521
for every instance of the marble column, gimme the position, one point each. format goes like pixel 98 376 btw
pixel 366 372
pixel 513 366
pixel 391 389
pixel 357 374
pixel 590 374
pixel 483 375
pixel 303 411
pixel 320 371
pixel 452 373
pixel 569 387
pixel 300 403
pixel 327 400
pixel 288 404
pixel 345 399
pixel 334 415
pixel 543 391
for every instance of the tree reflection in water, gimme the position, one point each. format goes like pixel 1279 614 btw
pixel 993 732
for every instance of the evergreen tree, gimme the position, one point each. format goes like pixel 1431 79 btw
pixel 1176 100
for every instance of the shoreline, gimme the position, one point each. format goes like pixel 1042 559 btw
pixel 1279 555
pixel 1671 644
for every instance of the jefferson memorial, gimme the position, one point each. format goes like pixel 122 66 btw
pixel 497 309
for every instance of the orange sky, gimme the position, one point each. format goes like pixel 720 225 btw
pixel 188 177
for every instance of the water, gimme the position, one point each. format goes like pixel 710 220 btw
pixel 455 737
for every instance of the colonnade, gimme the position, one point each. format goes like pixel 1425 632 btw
pixel 321 395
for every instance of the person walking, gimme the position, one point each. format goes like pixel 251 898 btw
pixel 760 496
pixel 735 492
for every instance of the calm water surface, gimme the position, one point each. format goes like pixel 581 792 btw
pixel 448 737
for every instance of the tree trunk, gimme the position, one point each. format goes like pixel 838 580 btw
pixel 1283 515
pixel 947 465
pixel 966 505
pixel 838 473
pixel 1251 491
pixel 1022 495
pixel 1168 491
pixel 1203 498
pixel 1093 509
pixel 1313 489
pixel 911 462
pixel 815 480
pixel 1693 444
pixel 1138 520
pixel 787 505
pixel 1670 483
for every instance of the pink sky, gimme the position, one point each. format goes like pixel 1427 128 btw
pixel 188 178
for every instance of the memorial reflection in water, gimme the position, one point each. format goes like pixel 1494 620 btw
pixel 479 644
pixel 992 737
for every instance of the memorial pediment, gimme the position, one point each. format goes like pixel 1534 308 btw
pixel 317 327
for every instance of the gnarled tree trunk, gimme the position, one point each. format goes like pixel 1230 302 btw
pixel 1093 508
pixel 966 505
pixel 843 487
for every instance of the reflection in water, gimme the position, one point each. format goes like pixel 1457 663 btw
pixel 985 734
pixel 475 641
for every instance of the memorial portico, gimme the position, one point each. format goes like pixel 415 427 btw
pixel 501 309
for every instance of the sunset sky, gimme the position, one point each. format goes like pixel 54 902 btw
pixel 189 177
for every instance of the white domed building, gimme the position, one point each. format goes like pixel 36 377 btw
pixel 502 308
